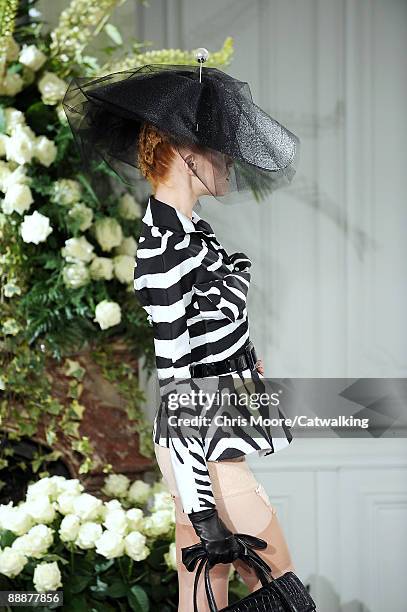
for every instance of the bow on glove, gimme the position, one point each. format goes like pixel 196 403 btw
pixel 240 261
pixel 217 540
pixel 192 554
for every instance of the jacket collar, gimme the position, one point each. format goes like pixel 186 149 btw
pixel 165 216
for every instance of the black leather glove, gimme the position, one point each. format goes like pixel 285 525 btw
pixel 219 543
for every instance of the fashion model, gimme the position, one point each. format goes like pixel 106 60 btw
pixel 199 315
pixel 192 135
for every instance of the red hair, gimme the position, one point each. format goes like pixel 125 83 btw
pixel 156 153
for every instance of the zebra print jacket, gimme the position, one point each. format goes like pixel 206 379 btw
pixel 194 295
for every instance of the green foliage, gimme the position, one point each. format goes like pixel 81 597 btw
pixel 41 317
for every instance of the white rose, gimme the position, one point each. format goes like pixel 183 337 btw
pixel 45 151
pixel 112 504
pixel 116 520
pixel 19 520
pixel 88 534
pixel 135 546
pixel 78 249
pixel 135 518
pixel 107 314
pixel 101 268
pixel 5 510
pixel 171 557
pixel 16 177
pixel 139 492
pixel 83 214
pixel 128 246
pixel 13 49
pixel 87 506
pixel 69 528
pixel 123 266
pixel 110 544
pixel 75 275
pixel 108 233
pixel 12 562
pixel 18 198
pixel 15 518
pixel 21 128
pixel 66 192
pixel 20 146
pixel 116 485
pixel 47 577
pixel 70 485
pixel 11 84
pixel 58 485
pixel 35 228
pixel 52 88
pixel 44 487
pixel 32 57
pixel 163 501
pixel 159 523
pixel 36 542
pixel 128 207
pixel 65 502
pixel 41 510
pixel 13 117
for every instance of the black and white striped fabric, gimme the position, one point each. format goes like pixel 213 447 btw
pixel 195 297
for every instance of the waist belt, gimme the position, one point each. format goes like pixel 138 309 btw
pixel 247 359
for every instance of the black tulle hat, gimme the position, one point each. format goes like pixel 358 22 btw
pixel 250 152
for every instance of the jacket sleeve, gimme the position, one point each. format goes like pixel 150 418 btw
pixel 165 286
pixel 226 290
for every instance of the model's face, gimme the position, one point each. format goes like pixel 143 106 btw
pixel 212 169
pixel 220 165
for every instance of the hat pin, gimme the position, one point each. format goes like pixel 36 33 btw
pixel 201 55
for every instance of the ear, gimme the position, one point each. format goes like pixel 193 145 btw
pixel 190 163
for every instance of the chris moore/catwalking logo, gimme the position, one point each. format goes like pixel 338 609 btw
pixel 221 420
pixel 311 406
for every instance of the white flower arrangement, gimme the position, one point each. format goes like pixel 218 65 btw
pixel 58 512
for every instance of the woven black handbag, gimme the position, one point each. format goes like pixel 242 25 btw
pixel 284 594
